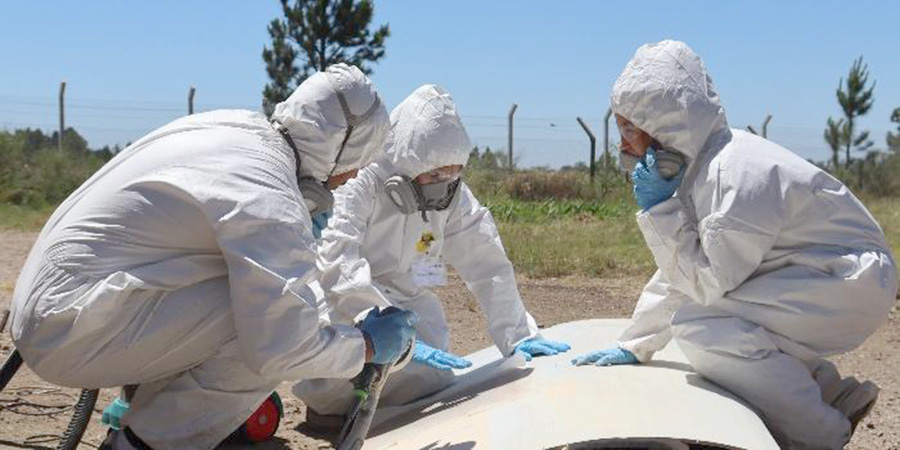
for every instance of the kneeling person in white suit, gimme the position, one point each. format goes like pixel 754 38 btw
pixel 766 263
pixel 181 266
pixel 393 229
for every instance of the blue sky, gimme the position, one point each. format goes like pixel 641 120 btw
pixel 129 65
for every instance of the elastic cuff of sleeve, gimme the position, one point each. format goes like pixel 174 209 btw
pixel 359 345
pixel 642 357
pixel 516 344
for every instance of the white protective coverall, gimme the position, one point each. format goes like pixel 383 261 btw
pixel 370 249
pixel 182 264
pixel 766 262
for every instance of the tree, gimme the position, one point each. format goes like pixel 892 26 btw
pixel 72 141
pixel 893 140
pixel 834 136
pixel 856 100
pixel 319 33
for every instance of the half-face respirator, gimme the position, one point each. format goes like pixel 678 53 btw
pixel 668 162
pixel 410 197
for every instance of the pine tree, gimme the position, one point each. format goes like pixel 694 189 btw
pixel 319 33
pixel 893 140
pixel 856 101
pixel 834 136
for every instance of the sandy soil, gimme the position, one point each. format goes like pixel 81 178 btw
pixel 34 413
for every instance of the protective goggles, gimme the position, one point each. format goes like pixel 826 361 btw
pixel 441 174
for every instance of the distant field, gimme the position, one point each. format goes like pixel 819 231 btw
pixel 23 218
pixel 594 242
pixel 552 238
pixel 610 245
pixel 887 212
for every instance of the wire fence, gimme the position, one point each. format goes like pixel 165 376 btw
pixel 539 140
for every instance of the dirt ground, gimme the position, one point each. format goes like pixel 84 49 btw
pixel 33 413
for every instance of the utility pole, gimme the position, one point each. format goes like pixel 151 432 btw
pixel 510 143
pixel 62 117
pixel 191 100
pixel 593 166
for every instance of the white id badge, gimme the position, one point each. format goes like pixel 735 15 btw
pixel 429 271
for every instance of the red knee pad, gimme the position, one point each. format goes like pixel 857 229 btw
pixel 263 423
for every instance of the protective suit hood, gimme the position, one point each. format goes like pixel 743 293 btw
pixel 317 121
pixel 666 92
pixel 426 133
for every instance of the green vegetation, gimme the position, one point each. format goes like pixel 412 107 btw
pixel 856 100
pixel 552 234
pixel 553 223
pixel 35 173
pixel 558 223
pixel 875 172
pixel 23 218
pixel 512 210
pixel 577 246
pixel 317 34
pixel 887 212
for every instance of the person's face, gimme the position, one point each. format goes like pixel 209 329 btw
pixel 445 173
pixel 634 140
pixel 335 181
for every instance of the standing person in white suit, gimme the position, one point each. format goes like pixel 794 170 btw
pixel 181 266
pixel 766 263
pixel 395 228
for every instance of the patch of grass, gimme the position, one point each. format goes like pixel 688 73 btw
pixel 887 212
pixel 23 218
pixel 581 245
pixel 547 239
pixel 508 210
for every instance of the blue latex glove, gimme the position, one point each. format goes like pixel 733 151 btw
pixel 650 188
pixel 608 357
pixel 320 222
pixel 112 414
pixel 389 331
pixel 439 359
pixel 539 346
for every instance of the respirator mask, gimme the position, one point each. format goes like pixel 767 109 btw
pixel 409 196
pixel 316 195
pixel 668 162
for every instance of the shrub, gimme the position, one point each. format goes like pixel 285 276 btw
pixel 33 173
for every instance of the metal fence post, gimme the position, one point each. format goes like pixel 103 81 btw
pixel 593 165
pixel 512 111
pixel 62 117
pixel 191 100
pixel 606 134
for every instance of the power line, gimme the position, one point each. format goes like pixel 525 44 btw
pixel 82 103
pixel 50 127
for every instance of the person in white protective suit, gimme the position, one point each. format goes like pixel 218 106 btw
pixel 394 229
pixel 766 263
pixel 181 266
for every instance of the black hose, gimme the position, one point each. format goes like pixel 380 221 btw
pixel 81 416
pixel 10 367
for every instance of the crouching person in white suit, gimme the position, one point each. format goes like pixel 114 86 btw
pixel 181 267
pixel 394 229
pixel 766 263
